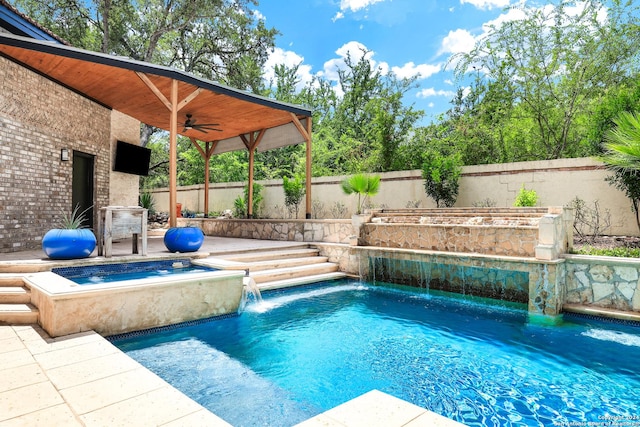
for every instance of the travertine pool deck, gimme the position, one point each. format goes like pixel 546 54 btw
pixel 84 380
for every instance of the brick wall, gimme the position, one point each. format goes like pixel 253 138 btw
pixel 37 119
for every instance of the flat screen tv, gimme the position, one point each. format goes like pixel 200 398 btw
pixel 132 159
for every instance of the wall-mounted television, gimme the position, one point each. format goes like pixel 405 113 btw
pixel 132 159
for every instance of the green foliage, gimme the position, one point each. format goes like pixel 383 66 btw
pixel 364 186
pixel 526 198
pixel 294 191
pixel 628 181
pixel 542 76
pixel 622 143
pixel 441 176
pixel 148 202
pixel 73 220
pixel 622 252
pixel 241 203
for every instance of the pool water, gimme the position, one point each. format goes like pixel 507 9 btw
pixel 303 352
pixel 109 273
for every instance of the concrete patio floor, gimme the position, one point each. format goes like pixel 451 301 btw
pixel 84 380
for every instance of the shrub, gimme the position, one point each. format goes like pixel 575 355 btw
pixel 241 202
pixel 147 201
pixel 441 175
pixel 526 198
pixel 294 191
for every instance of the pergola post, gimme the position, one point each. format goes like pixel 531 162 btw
pixel 308 169
pixel 251 144
pixel 173 155
pixel 206 154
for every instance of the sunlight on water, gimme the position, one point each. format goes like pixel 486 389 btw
pixel 301 352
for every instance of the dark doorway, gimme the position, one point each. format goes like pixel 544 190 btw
pixel 82 185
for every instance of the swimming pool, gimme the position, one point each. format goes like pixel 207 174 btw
pixel 305 351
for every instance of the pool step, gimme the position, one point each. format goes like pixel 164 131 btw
pixel 284 267
pixel 15 302
pixel 286 273
pixel 286 263
pixel 270 255
pixel 304 280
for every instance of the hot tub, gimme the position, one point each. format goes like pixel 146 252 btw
pixel 116 306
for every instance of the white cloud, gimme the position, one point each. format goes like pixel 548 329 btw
pixel 290 59
pixel 356 5
pixel 486 4
pixel 339 15
pixel 457 41
pixel 449 82
pixel 429 92
pixel 355 50
pixel 410 69
pixel 431 105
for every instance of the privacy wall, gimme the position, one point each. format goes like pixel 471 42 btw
pixel 557 182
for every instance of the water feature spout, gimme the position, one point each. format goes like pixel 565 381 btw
pixel 250 290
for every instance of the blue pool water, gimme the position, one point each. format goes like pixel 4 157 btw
pixel 108 273
pixel 303 352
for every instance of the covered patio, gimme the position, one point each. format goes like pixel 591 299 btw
pixel 172 100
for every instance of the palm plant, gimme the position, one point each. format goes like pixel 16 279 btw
pixel 364 186
pixel 622 143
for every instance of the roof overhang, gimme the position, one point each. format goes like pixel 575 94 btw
pixel 136 88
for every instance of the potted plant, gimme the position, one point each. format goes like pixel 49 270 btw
pixel 183 239
pixel 364 186
pixel 70 240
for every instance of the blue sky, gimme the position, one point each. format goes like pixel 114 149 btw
pixel 409 37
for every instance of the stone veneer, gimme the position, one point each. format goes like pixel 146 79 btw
pixel 518 241
pixel 326 230
pixel 604 282
pixel 536 283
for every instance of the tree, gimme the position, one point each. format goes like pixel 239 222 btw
pixel 219 40
pixel 623 98
pixel 441 176
pixel 555 61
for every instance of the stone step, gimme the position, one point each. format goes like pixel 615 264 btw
pixel 11 281
pixel 269 255
pixel 284 263
pixel 293 272
pixel 18 314
pixel 297 281
pixel 14 295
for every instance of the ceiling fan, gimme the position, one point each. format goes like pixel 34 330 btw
pixel 190 123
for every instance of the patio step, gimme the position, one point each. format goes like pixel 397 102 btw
pixel 15 302
pixel 18 314
pixel 14 295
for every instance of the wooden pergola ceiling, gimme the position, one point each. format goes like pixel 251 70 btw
pixel 162 97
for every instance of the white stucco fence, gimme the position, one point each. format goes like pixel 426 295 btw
pixel 557 182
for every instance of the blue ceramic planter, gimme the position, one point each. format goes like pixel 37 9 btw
pixel 183 239
pixel 61 243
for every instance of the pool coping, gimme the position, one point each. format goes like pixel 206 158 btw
pixel 84 380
